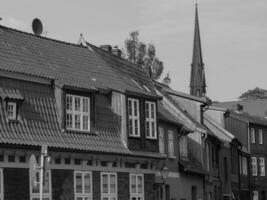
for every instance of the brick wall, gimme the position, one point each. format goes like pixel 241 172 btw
pixel 16 184
pixel 149 186
pixel 123 186
pixel 96 185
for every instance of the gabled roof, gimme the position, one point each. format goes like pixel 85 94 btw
pixel 183 116
pixel 68 64
pixel 218 131
pixel 254 107
pixel 134 76
pixel 38 123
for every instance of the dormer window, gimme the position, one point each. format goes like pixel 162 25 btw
pixel 151 120
pixel 77 112
pixel 133 117
pixel 11 110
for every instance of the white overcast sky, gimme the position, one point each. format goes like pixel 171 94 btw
pixel 233 34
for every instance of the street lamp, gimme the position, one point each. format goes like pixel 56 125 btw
pixel 164 172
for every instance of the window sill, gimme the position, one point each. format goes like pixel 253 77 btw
pixel 172 157
pixel 151 138
pixel 81 131
pixel 134 136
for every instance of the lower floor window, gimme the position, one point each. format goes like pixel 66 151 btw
pixel 35 186
pixel 136 186
pixel 1 185
pixel 83 185
pixel 108 186
pixel 255 195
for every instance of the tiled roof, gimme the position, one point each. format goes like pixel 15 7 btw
pixel 69 64
pixel 165 115
pixel 135 77
pixel 38 123
pixel 254 107
pixel 218 131
pixel 10 93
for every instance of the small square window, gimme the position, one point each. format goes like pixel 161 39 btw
pixel 12 110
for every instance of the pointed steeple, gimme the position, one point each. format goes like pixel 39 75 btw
pixel 197 79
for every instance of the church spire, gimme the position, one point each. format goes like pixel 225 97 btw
pixel 197 79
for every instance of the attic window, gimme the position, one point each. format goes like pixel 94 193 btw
pixel 11 110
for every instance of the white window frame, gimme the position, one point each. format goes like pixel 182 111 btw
pixel 136 195
pixel 2 184
pixel 13 111
pixel 81 112
pixel 260 136
pixel 262 166
pixel 151 119
pixel 83 194
pixel 254 166
pixel 252 135
pixel 170 143
pixel 161 140
pixel 108 195
pixel 133 117
pixel 45 195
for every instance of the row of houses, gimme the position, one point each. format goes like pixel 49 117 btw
pixel 115 134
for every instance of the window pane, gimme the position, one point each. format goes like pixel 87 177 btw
pixel 130 126
pixel 136 126
pixel 130 107
pixel 152 110
pixel 147 110
pixel 85 122
pixel 46 182
pixel 87 183
pixel 133 184
pixel 135 108
pixel 112 184
pixel 35 188
pixel 77 104
pixel 69 102
pixel 77 121
pixel 139 184
pixel 78 180
pixel 69 120
pixel 104 183
pixel 153 128
pixel 85 105
pixel 147 129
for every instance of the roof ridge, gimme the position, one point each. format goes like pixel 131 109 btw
pixel 41 37
pixel 110 55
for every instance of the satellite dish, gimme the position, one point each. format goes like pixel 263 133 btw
pixel 37 26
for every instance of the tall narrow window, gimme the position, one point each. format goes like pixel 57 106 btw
pixel 170 143
pixel 83 185
pixel 161 140
pixel 77 112
pixel 183 146
pixel 133 117
pixel 260 136
pixel 108 186
pixel 254 166
pixel 252 135
pixel 12 110
pixel 262 167
pixel 136 187
pixel 151 120
pixel 244 165
pixel 34 187
pixel 255 195
pixel 1 185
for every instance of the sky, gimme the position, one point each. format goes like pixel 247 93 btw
pixel 233 34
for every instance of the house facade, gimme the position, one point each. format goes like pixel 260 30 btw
pixel 98 122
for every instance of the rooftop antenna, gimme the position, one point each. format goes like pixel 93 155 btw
pixel 37 26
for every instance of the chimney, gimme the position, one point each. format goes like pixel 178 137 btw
pixel 106 48
pixel 240 108
pixel 116 52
